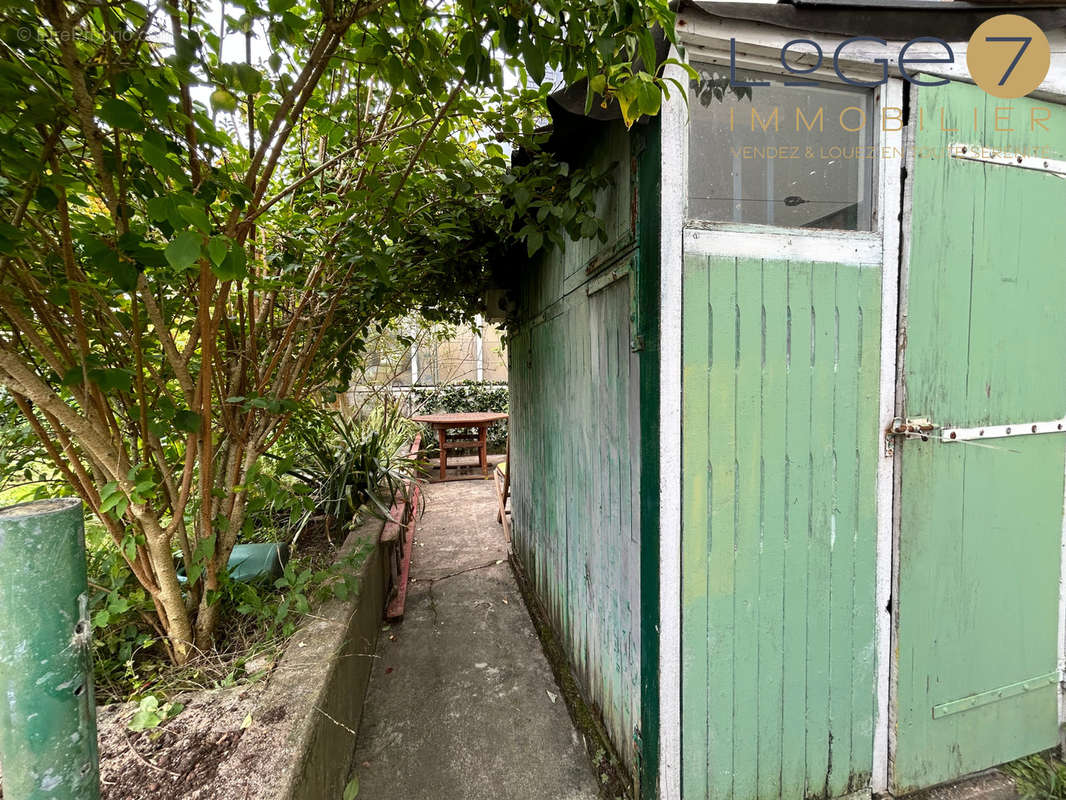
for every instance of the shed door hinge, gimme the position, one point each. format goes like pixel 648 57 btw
pixel 1006 158
pixel 923 429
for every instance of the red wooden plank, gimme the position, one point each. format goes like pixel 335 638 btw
pixel 394 613
pixel 398 512
pixel 409 511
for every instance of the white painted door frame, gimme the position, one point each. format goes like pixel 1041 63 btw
pixel 674 198
pixel 673 241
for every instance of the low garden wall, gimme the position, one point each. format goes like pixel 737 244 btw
pixel 323 676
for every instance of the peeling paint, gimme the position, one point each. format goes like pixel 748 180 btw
pixel 49 735
pixel 575 440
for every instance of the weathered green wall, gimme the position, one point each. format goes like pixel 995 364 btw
pixel 575 453
pixel 780 441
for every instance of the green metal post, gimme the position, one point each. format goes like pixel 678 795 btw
pixel 47 713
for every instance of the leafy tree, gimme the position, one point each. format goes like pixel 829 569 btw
pixel 191 247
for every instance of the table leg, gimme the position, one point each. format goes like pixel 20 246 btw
pixel 483 448
pixel 443 454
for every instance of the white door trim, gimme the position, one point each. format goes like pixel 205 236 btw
pixel 674 195
pixel 760 241
pixel 906 215
pixel 889 186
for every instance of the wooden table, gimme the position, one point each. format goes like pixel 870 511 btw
pixel 442 423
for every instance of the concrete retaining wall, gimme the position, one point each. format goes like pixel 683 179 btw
pixel 321 681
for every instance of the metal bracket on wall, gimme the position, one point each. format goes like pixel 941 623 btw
pixel 990 155
pixel 605 279
pixel 1002 431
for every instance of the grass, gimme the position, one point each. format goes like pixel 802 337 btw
pixel 1039 777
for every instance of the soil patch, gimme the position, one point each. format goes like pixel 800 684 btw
pixel 189 756
pixel 319 540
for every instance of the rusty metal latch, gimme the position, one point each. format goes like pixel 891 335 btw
pixel 923 429
pixel 912 427
pixel 919 428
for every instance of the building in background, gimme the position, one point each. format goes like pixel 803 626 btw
pixel 439 357
pixel 415 353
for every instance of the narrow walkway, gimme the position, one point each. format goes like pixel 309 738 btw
pixel 462 704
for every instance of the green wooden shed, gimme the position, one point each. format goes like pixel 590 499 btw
pixel 787 456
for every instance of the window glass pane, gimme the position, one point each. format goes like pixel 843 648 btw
pixel 797 157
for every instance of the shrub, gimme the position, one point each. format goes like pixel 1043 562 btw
pixel 347 463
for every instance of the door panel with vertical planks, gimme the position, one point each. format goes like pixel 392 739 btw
pixel 980 521
pixel 780 404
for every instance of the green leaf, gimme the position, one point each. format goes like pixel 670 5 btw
pixel 160 208
pixel 223 100
pixel 534 59
pixel 351 791
pixel 217 249
pixel 46 198
pixel 120 114
pixel 144 720
pixel 649 99
pixel 627 102
pixel 248 76
pixel 188 421
pixel 118 605
pixel 234 266
pixel 205 549
pixel 111 501
pixel 111 379
pixel 521 197
pixel 129 546
pixel 197 216
pixel 184 250
pixel 155 155
pixel 10 236
pixel 534 242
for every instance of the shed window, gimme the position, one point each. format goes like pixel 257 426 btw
pixel 795 157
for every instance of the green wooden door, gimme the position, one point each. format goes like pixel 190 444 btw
pixel 779 414
pixel 980 522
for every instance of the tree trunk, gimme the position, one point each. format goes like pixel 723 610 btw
pixel 176 623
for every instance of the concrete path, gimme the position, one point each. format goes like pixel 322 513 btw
pixel 462 704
